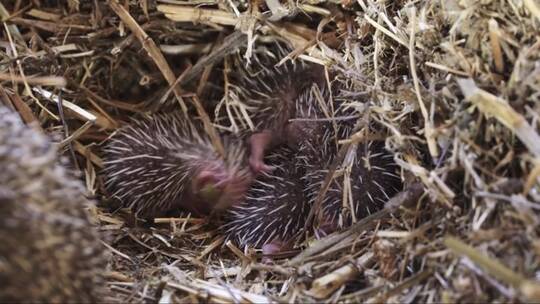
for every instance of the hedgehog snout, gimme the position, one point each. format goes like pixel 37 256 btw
pixel 206 179
pixel 219 187
pixel 234 190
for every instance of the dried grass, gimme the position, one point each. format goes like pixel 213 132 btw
pixel 455 83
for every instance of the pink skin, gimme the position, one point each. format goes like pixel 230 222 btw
pixel 325 229
pixel 204 178
pixel 325 226
pixel 233 190
pixel 292 133
pixel 229 190
pixel 259 143
pixel 273 248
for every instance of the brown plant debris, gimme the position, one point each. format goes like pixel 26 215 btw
pixel 452 88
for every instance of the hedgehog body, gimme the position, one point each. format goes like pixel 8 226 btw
pixel 369 178
pixel 275 209
pixel 369 174
pixel 167 162
pixel 50 251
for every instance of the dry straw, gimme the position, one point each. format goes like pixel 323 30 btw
pixel 454 87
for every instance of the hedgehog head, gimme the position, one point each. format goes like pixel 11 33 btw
pixel 220 185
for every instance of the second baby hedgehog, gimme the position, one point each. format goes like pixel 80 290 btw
pixel 275 209
pixel 369 176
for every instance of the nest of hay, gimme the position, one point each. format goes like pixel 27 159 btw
pixel 455 84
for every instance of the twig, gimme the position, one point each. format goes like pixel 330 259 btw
pixel 408 283
pixel 230 44
pixel 490 104
pixel 428 127
pixel 325 285
pixel 53 81
pixel 405 198
pixel 529 289
pixel 495 45
pixel 182 13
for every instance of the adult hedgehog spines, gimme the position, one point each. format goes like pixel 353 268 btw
pixel 167 162
pixel 50 252
pixel 275 208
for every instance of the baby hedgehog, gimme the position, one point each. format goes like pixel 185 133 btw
pixel 370 169
pixel 373 181
pixel 320 122
pixel 275 208
pixel 271 92
pixel 50 252
pixel 167 162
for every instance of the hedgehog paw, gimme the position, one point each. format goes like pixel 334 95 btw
pixel 272 248
pixel 259 143
pixel 258 166
pixel 326 228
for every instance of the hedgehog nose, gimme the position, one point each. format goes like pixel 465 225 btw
pixel 222 183
pixel 204 179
